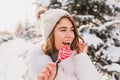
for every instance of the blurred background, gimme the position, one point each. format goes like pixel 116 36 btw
pixel 98 21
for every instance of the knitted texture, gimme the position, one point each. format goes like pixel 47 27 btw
pixel 49 19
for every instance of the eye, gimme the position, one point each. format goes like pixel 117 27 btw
pixel 62 30
pixel 72 29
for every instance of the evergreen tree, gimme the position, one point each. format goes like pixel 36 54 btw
pixel 90 18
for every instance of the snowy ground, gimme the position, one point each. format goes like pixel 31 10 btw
pixel 13 60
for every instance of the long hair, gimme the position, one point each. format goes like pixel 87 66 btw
pixel 49 46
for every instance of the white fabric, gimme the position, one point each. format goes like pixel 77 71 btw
pixel 76 67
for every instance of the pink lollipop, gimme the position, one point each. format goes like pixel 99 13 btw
pixel 64 53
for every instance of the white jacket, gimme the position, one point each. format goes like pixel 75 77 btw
pixel 76 67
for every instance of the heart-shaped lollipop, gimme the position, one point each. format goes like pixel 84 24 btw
pixel 64 53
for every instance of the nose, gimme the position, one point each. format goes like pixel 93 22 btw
pixel 69 34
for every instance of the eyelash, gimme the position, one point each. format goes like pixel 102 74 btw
pixel 65 30
pixel 72 29
pixel 62 30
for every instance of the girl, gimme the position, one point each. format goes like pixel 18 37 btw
pixel 59 30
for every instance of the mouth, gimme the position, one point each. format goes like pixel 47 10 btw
pixel 67 43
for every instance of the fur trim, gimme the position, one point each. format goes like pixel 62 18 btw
pixel 84 67
pixel 76 67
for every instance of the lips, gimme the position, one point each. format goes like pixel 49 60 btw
pixel 67 43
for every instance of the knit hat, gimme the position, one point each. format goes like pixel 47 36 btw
pixel 49 19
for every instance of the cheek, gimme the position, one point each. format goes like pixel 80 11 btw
pixel 58 40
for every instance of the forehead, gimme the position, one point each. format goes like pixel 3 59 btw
pixel 65 21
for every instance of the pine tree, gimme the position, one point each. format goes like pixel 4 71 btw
pixel 91 19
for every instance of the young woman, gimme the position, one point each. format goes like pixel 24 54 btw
pixel 59 30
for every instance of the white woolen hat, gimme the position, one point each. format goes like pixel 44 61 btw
pixel 49 19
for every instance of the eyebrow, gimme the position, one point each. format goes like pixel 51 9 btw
pixel 65 27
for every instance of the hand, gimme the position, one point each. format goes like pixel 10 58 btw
pixel 82 47
pixel 48 72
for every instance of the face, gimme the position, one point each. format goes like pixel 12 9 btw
pixel 64 33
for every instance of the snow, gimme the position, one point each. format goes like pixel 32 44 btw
pixel 13 53
pixel 112 53
pixel 107 24
pixel 13 56
pixel 113 2
pixel 112 67
pixel 92 39
pixel 12 59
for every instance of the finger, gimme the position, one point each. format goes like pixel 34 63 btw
pixel 46 78
pixel 51 64
pixel 51 68
pixel 42 76
pixel 52 73
pixel 46 71
pixel 84 47
pixel 81 47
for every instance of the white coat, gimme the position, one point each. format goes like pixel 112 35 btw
pixel 76 67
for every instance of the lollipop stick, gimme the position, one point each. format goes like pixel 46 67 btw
pixel 57 61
